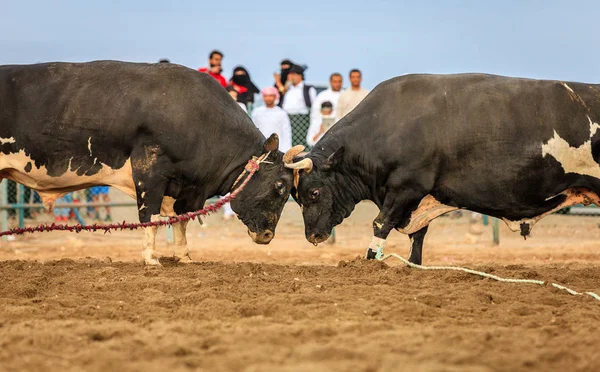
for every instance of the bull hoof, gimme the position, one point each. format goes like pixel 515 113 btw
pixel 371 254
pixel 183 260
pixel 152 262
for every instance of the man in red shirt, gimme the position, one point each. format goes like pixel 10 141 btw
pixel 214 61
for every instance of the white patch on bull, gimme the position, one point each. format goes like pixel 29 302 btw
pixel 143 194
pixel 574 196
pixel 7 140
pixel 139 183
pixel 142 207
pixel 429 208
pixel 95 161
pixel 90 145
pixel 568 87
pixel 51 188
pixel 412 242
pixel 574 159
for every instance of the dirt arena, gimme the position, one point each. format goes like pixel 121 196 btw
pixel 75 302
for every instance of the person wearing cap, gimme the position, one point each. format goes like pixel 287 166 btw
pixel 331 95
pixel 297 102
pixel 215 59
pixel 271 118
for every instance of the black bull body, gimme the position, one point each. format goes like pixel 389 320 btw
pixel 420 146
pixel 168 136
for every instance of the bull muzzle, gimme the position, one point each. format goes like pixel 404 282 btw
pixel 317 238
pixel 263 237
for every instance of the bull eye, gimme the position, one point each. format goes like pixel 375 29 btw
pixel 280 187
pixel 314 194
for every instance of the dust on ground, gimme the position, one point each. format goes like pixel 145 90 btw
pixel 84 301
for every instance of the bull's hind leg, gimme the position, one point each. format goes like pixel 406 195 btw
pixel 181 251
pixel 416 246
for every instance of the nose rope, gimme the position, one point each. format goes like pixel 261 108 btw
pixel 252 164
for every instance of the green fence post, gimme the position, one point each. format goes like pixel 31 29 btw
pixel 485 220
pixel 21 201
pixel 495 231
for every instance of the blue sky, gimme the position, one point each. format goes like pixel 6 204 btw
pixel 529 38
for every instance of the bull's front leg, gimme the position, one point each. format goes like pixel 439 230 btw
pixel 396 211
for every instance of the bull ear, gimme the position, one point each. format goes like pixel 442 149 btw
pixel 272 143
pixel 334 159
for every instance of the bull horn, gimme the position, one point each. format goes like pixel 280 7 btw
pixel 305 164
pixel 289 156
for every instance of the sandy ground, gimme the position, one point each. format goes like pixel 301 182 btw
pixel 84 301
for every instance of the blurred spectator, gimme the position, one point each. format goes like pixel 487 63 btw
pixel 100 194
pixel 331 95
pixel 326 121
pixel 214 68
pixel 243 84
pixel 234 94
pixel 281 78
pixel 63 214
pixel 271 118
pixel 297 102
pixel 350 98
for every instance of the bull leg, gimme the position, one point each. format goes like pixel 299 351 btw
pixel 396 209
pixel 149 203
pixel 416 246
pixel 148 253
pixel 181 251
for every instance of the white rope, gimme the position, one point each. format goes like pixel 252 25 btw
pixel 486 275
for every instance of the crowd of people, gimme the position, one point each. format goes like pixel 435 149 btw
pixel 290 102
pixel 292 108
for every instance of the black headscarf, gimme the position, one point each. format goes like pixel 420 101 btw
pixel 285 71
pixel 244 81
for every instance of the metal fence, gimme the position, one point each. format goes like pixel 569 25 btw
pixel 20 205
pixel 300 125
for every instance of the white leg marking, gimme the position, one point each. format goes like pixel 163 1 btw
pixel 149 253
pixel 377 245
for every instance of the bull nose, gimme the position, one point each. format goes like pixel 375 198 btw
pixel 317 238
pixel 263 237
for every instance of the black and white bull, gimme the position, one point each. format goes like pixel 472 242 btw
pixel 420 146
pixel 164 134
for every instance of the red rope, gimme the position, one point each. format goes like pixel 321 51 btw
pixel 252 166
